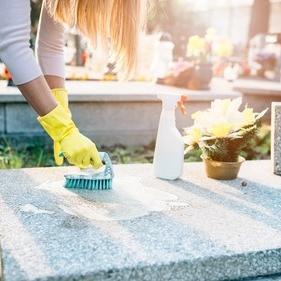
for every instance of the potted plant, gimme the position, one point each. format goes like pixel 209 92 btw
pixel 199 51
pixel 221 132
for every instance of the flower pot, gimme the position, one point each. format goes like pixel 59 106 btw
pixel 222 170
pixel 201 76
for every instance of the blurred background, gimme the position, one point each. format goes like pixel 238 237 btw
pixel 217 49
pixel 228 38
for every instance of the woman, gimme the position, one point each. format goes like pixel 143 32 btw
pixel 42 83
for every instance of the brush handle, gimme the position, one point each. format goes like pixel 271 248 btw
pixel 108 171
pixel 107 162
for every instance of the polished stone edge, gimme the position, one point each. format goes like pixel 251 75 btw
pixel 262 278
pixel 275 137
pixel 254 263
pixel 1 265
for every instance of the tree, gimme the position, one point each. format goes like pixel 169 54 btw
pixel 35 14
pixel 176 18
pixel 260 14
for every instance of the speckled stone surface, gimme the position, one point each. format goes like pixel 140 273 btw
pixel 268 278
pixel 202 229
pixel 276 137
pixel 1 268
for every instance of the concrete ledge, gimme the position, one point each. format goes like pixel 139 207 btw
pixel 258 87
pixel 2 118
pixel 108 112
pixel 259 94
pixel 20 118
pixel 80 91
pixel 194 228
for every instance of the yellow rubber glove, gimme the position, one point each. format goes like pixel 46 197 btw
pixel 61 97
pixel 76 148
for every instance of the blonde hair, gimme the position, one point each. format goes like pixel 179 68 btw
pixel 118 20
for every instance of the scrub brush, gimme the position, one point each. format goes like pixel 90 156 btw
pixel 91 179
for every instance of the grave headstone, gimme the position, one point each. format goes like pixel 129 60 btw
pixel 276 137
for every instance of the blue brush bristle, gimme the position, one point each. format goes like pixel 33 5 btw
pixel 91 184
pixel 100 181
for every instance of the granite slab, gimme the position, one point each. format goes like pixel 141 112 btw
pixel 1 267
pixel 193 228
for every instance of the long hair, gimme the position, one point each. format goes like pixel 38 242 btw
pixel 119 20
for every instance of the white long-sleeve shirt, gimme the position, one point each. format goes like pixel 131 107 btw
pixel 15 27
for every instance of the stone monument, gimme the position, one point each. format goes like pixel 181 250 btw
pixel 276 137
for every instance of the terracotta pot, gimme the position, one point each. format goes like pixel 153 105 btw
pixel 222 170
pixel 201 76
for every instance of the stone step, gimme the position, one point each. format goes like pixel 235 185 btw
pixel 194 228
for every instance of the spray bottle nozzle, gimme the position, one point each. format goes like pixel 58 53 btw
pixel 169 101
pixel 181 105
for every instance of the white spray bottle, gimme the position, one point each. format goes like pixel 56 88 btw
pixel 169 150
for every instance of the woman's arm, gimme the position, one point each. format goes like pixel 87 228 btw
pixel 54 118
pixel 38 95
pixel 50 49
pixel 19 58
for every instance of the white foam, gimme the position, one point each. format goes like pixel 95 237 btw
pixel 29 208
pixel 128 199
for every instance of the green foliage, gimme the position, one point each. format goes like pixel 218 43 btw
pixel 24 156
pixel 229 148
pixel 39 155
pixel 36 155
pixel 35 13
pixel 258 147
pixel 136 154
pixel 193 155
pixel 10 158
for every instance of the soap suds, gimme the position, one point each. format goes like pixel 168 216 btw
pixel 29 208
pixel 127 200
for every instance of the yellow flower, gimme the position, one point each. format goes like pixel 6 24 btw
pixel 220 130
pixel 196 134
pixel 220 106
pixel 224 48
pixel 210 33
pixel 201 119
pixel 248 117
pixel 196 45
pixel 196 115
pixel 193 136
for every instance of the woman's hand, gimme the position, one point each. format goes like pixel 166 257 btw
pixel 76 148
pixel 80 151
pixel 61 97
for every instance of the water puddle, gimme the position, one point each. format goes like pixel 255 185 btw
pixel 127 200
